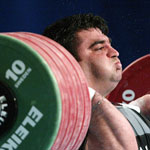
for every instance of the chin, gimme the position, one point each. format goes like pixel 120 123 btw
pixel 116 78
pixel 119 76
pixel 115 82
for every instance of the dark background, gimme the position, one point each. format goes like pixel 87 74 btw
pixel 128 20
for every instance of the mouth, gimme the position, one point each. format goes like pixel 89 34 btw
pixel 118 65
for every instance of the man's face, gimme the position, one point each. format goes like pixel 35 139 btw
pixel 99 60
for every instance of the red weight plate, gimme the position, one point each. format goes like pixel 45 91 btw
pixel 87 103
pixel 135 81
pixel 79 121
pixel 87 110
pixel 70 112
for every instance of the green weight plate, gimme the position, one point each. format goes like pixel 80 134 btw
pixel 35 89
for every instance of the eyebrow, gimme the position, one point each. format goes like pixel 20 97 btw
pixel 99 42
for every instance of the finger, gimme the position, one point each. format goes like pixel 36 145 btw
pixel 96 101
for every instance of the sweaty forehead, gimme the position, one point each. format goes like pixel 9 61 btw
pixel 91 34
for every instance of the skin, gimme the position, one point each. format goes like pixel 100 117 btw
pixel 99 60
pixel 108 128
pixel 144 104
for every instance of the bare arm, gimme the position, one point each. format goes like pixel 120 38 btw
pixel 143 103
pixel 109 130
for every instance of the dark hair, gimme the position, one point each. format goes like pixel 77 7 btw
pixel 64 31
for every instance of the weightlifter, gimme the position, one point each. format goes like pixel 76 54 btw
pixel 112 127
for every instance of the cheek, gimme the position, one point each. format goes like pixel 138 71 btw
pixel 99 61
pixel 98 69
pixel 101 67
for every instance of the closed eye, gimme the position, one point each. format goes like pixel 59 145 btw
pixel 100 48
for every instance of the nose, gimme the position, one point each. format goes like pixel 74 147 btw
pixel 112 52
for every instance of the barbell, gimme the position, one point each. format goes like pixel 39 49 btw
pixel 44 98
